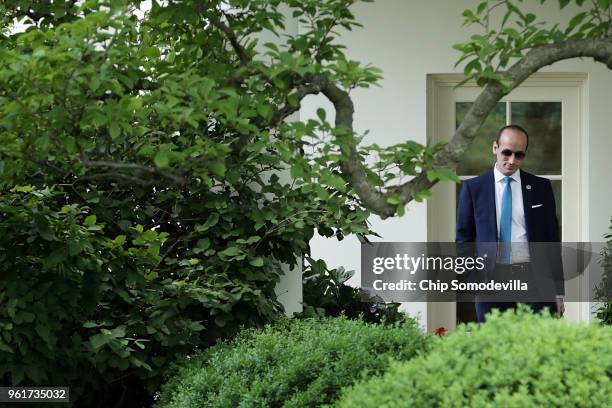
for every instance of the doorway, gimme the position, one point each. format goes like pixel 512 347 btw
pixel 550 107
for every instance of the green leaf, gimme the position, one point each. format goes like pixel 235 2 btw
pixel 421 195
pixel 151 276
pixel 563 3
pixel 469 16
pixel 393 201
pixel 218 168
pixel 297 171
pixel 196 326
pixel 55 258
pixel 151 52
pixel 211 221
pixel 161 159
pixel 27 316
pixel 75 248
pixel 293 100
pixel 90 221
pixel 202 245
pixel 512 33
pixel 447 175
pixel 264 110
pixel 481 7
pixel 335 181
pixel 576 20
pixel 400 210
pixel 22 189
pixel 4 347
pixel 118 332
pixel 44 332
pixel 257 262
pixel 90 324
pixel 17 375
pixel 473 65
pixel 98 341
pixel 558 36
pixel 114 130
pixel 230 251
pixel 94 84
pixel 147 150
pixel 321 114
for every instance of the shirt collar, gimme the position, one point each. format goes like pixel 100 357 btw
pixel 499 176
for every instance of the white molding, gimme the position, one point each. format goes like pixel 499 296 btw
pixel 585 310
pixel 539 79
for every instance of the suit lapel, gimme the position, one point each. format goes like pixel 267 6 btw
pixel 489 199
pixel 527 189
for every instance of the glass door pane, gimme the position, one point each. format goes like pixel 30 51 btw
pixel 542 120
pixel 479 158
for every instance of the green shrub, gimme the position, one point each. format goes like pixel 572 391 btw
pixel 301 363
pixel 326 294
pixel 514 360
pixel 83 309
pixel 603 290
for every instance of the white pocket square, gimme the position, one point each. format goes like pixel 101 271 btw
pixel 537 205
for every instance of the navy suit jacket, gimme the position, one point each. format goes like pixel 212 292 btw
pixel 477 220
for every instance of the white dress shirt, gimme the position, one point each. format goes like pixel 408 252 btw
pixel 520 252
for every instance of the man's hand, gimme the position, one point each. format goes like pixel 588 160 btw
pixel 560 307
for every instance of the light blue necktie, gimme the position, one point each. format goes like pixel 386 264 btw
pixel 505 222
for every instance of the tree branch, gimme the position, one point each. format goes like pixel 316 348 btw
pixel 231 36
pixel 538 57
pixel 229 33
pixel 130 166
pixel 309 86
pixel 115 175
pixel 352 169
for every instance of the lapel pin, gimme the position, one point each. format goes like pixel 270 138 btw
pixel 528 186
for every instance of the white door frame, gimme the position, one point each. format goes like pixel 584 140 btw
pixel 570 89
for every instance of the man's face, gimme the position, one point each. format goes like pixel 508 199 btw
pixel 510 151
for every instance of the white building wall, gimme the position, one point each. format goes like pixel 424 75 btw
pixel 289 289
pixel 409 39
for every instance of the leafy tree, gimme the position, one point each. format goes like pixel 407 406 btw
pixel 142 210
pixel 177 126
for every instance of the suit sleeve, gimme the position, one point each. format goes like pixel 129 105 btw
pixel 466 227
pixel 553 236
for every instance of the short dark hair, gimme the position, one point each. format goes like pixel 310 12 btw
pixel 515 128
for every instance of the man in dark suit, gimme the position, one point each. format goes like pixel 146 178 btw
pixel 508 205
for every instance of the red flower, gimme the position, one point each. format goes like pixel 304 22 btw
pixel 441 331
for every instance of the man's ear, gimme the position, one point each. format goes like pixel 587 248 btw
pixel 494 147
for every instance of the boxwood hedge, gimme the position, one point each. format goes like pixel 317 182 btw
pixel 298 363
pixel 514 360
